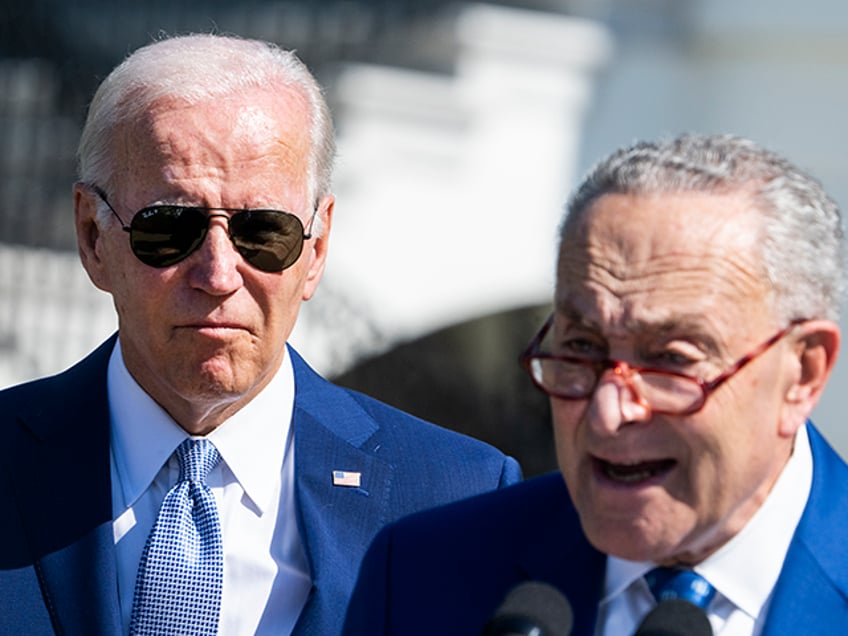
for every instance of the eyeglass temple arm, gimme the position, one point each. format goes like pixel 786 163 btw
pixel 533 347
pixel 307 233
pixel 713 384
pixel 99 192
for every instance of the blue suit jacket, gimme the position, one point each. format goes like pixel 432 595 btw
pixel 57 561
pixel 446 571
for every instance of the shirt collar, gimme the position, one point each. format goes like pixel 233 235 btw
pixel 251 443
pixel 254 440
pixel 621 574
pixel 745 569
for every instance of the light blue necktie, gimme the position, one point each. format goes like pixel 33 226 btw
pixel 180 576
pixel 680 583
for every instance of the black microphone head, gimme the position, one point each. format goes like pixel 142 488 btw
pixel 532 609
pixel 675 617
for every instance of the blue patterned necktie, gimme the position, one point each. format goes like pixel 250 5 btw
pixel 180 576
pixel 680 583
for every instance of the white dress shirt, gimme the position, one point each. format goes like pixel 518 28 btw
pixel 744 571
pixel 266 576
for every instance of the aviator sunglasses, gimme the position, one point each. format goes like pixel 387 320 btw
pixel 163 235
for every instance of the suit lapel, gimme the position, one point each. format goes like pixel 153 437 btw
pixel 336 522
pixel 81 582
pixel 810 595
pixel 576 568
pixel 805 599
pixel 61 476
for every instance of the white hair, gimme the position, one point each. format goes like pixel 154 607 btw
pixel 803 248
pixel 193 69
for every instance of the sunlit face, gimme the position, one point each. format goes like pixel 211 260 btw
pixel 203 336
pixel 669 281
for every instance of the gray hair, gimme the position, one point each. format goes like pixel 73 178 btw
pixel 803 244
pixel 196 68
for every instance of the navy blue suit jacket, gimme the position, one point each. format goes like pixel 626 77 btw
pixel 446 571
pixel 57 560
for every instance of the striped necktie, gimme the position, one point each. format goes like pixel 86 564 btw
pixel 180 576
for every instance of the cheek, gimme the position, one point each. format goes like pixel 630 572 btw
pixel 112 250
pixel 566 416
pixel 278 302
pixel 723 465
pixel 142 295
pixel 738 425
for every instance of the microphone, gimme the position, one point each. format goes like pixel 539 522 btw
pixel 675 617
pixel 532 609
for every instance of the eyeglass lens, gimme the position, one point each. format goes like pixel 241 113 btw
pixel 577 381
pixel 664 391
pixel 269 240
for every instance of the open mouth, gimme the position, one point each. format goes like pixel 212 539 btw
pixel 634 473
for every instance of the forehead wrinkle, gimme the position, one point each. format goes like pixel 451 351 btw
pixel 657 323
pixel 673 296
pixel 622 272
pixel 633 270
pixel 286 143
pixel 200 156
pixel 692 326
pixel 197 154
pixel 635 234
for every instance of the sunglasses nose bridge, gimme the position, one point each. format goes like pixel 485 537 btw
pixel 216 264
pixel 209 223
pixel 218 215
pixel 205 238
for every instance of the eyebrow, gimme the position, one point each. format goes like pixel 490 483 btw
pixel 690 324
pixel 199 206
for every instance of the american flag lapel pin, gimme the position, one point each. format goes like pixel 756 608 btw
pixel 346 478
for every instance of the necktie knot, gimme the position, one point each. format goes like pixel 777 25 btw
pixel 180 576
pixel 680 583
pixel 197 457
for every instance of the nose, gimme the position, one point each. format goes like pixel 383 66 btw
pixel 616 401
pixel 215 264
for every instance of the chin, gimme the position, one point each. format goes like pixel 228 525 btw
pixel 624 547
pixel 632 540
pixel 218 377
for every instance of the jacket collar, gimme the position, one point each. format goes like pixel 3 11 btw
pixel 63 433
pixel 576 568
pixel 814 578
pixel 332 432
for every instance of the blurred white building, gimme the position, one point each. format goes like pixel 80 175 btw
pixel 450 184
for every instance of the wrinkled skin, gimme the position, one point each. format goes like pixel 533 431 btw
pixel 205 335
pixel 671 281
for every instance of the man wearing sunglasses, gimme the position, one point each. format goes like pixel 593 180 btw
pixel 193 475
pixel 694 327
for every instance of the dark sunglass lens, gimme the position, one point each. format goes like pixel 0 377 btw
pixel 267 239
pixel 164 235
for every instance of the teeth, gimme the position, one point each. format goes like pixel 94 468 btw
pixel 636 472
pixel 628 475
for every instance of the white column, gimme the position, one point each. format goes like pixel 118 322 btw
pixel 450 188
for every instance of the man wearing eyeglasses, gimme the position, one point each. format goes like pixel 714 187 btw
pixel 193 475
pixel 694 329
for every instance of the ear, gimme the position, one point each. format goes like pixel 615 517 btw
pixel 318 249
pixel 90 238
pixel 815 348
